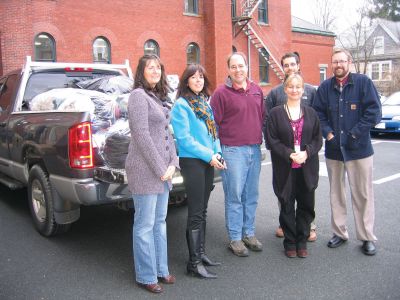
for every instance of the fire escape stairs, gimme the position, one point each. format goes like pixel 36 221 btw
pixel 242 23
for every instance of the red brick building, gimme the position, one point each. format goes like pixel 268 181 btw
pixel 181 31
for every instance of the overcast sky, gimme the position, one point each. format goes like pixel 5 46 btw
pixel 346 13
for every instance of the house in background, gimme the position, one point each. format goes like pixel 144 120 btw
pixel 179 31
pixel 379 51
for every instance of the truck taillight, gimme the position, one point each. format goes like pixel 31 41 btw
pixel 80 146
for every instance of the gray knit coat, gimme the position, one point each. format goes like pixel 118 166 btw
pixel 152 147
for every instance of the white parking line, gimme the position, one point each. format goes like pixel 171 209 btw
pixel 322 169
pixel 386 179
pixel 379 141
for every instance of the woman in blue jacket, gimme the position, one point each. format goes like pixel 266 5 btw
pixel 199 152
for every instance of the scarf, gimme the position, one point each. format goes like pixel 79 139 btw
pixel 198 103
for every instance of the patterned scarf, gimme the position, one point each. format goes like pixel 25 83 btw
pixel 198 103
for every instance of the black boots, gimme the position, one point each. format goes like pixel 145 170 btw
pixel 195 265
pixel 204 258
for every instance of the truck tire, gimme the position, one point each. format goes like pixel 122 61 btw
pixel 41 203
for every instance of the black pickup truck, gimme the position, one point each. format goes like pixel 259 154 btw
pixel 51 152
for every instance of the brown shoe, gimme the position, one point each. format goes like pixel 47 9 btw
pixel 303 253
pixel 153 287
pixel 279 232
pixel 252 243
pixel 169 279
pixel 290 253
pixel 313 236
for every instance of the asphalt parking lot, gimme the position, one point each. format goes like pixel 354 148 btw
pixel 93 260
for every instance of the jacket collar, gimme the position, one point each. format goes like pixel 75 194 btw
pixel 336 86
pixel 229 83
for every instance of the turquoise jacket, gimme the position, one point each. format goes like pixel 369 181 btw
pixel 191 133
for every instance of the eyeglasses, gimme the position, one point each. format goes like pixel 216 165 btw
pixel 289 65
pixel 337 62
pixel 238 67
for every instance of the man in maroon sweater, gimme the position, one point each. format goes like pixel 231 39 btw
pixel 239 111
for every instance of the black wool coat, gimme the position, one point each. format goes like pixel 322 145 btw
pixel 281 141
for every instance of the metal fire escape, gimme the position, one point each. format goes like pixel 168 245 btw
pixel 244 22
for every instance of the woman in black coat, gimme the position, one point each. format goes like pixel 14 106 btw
pixel 294 137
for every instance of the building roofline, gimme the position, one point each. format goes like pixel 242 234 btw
pixel 388 31
pixel 312 31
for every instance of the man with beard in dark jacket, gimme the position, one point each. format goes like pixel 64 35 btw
pixel 348 107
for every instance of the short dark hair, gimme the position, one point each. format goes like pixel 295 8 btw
pixel 291 54
pixel 183 87
pixel 161 89
pixel 228 61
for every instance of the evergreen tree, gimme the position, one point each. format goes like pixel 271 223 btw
pixel 386 9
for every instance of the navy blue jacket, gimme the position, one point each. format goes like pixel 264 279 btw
pixel 349 115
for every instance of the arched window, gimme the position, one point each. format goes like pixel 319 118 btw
pixel 192 54
pixel 234 49
pixel 101 50
pixel 151 47
pixel 45 47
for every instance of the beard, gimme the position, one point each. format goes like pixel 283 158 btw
pixel 340 72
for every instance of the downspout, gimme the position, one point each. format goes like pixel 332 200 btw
pixel 248 57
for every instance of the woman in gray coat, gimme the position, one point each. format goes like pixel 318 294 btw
pixel 150 164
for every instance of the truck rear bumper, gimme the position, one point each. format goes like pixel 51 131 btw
pixel 89 191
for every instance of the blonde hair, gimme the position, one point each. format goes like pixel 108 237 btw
pixel 291 77
pixel 340 50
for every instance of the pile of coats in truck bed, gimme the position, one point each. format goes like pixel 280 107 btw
pixel 106 99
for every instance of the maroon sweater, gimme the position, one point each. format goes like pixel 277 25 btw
pixel 239 114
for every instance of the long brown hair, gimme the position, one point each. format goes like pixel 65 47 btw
pixel 183 87
pixel 161 89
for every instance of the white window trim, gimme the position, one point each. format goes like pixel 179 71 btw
pixel 381 50
pixel 323 70
pixel 380 63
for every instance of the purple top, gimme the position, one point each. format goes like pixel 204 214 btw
pixel 152 147
pixel 239 114
pixel 297 126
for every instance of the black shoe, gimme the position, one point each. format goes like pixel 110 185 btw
pixel 335 242
pixel 208 262
pixel 198 270
pixel 368 248
pixel 195 265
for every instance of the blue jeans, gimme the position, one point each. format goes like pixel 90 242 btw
pixel 150 236
pixel 240 183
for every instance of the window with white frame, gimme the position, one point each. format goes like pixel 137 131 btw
pixel 263 71
pixel 263 12
pixel 101 50
pixel 192 7
pixel 151 47
pixel 381 71
pixel 45 47
pixel 192 54
pixel 378 45
pixel 322 74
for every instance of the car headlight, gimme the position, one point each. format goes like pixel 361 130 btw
pixel 396 118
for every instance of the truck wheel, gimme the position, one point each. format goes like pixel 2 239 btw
pixel 41 203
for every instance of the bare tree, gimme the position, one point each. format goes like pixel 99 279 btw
pixel 395 83
pixel 325 13
pixel 356 39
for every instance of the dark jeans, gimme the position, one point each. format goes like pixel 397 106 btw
pixel 198 179
pixel 296 222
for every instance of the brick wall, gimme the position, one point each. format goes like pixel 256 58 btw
pixel 314 50
pixel 129 24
